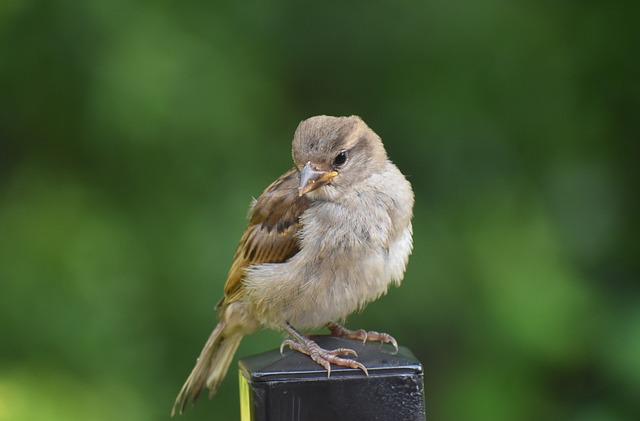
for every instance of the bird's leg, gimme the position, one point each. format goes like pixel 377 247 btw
pixel 322 356
pixel 361 334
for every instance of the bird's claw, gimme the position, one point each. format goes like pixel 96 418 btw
pixel 324 357
pixel 363 335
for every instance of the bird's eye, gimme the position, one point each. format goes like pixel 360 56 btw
pixel 340 159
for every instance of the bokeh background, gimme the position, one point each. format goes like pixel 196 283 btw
pixel 133 135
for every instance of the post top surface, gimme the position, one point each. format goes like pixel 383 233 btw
pixel 379 359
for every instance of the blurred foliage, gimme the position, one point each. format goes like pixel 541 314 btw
pixel 133 135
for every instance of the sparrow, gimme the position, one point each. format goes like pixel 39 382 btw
pixel 323 240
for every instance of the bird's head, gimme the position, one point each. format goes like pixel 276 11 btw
pixel 333 152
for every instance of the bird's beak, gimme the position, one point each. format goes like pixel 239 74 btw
pixel 312 179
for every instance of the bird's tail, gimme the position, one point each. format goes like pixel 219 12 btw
pixel 210 368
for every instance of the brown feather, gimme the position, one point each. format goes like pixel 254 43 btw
pixel 270 236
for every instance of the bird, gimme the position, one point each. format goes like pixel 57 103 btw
pixel 323 240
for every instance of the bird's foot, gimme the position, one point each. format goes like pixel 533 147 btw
pixel 363 335
pixel 322 356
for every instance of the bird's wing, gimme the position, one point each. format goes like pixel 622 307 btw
pixel 274 219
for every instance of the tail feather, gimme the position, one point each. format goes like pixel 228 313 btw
pixel 210 368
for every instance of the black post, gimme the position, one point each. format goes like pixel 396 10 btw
pixel 293 387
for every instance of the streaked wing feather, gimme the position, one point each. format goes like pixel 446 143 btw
pixel 270 236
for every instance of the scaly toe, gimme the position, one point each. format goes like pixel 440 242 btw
pixel 361 334
pixel 342 351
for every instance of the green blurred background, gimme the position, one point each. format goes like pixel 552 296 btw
pixel 133 135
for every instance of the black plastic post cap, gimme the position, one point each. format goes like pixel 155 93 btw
pixel 290 386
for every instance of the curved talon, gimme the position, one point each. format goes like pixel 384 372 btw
pixel 360 366
pixel 394 343
pixel 285 343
